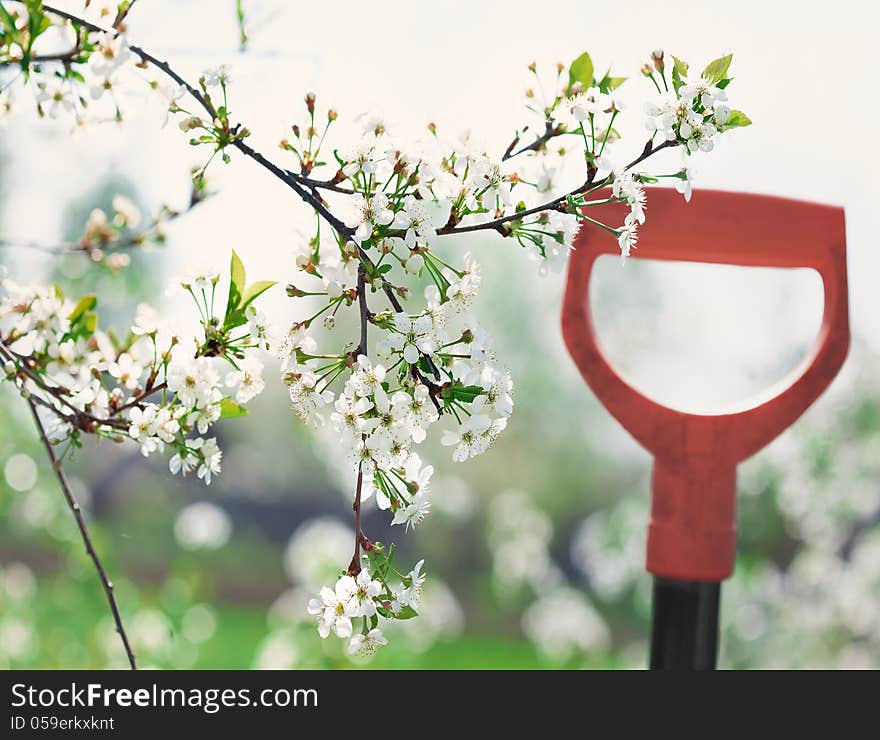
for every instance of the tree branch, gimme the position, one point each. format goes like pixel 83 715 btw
pixel 364 309
pixel 129 241
pixel 553 205
pixel 84 532
pixel 122 14
pixel 354 567
pixel 550 131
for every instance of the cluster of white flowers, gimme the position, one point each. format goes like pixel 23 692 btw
pixel 151 388
pixel 361 596
pixel 693 115
pixel 431 363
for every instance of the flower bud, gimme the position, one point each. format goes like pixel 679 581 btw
pixel 310 102
pixel 189 123
pixel 294 292
pixel 722 114
pixel 657 56
pixel 414 264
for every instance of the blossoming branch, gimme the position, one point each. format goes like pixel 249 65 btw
pixel 418 360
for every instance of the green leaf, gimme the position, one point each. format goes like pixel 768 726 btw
pixel 717 70
pixel 737 119
pixel 86 303
pixel 234 319
pixel 255 290
pixel 679 72
pixel 464 393
pixel 85 326
pixel 406 612
pixel 236 283
pixel 229 409
pixel 608 83
pixel 238 316
pixel 380 560
pixel 581 70
pixel 8 20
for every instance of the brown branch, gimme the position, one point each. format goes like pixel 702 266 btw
pixel 130 241
pixel 555 204
pixel 139 398
pixel 292 180
pixel 84 532
pixel 78 418
pixel 364 309
pixel 550 131
pixel 354 567
pixel 122 14
pixel 322 184
pixel 299 186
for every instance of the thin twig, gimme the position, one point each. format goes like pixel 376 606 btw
pixel 121 15
pixel 550 131
pixel 354 567
pixel 136 239
pixel 84 532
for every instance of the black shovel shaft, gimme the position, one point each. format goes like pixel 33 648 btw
pixel 684 634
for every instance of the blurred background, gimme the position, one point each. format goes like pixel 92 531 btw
pixel 534 551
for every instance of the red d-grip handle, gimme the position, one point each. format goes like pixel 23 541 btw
pixel 692 533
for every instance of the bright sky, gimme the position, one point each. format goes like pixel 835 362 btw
pixel 804 72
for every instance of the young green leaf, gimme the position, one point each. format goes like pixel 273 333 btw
pixel 8 21
pixel 463 393
pixel 608 83
pixel 229 409
pixel 581 70
pixel 85 326
pixel 236 283
pixel 406 612
pixel 254 291
pixel 679 72
pixel 86 303
pixel 737 119
pixel 717 70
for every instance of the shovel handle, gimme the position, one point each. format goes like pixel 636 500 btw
pixel 692 533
